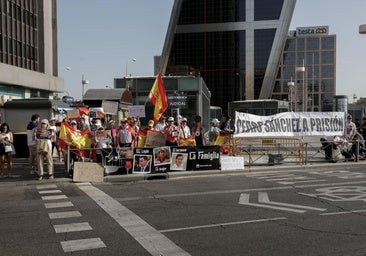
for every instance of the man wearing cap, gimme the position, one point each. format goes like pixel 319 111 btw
pixel 171 131
pixel 184 131
pixel 124 136
pixel 44 149
pixel 214 130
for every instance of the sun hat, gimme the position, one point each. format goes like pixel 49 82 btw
pixel 150 123
pixel 215 121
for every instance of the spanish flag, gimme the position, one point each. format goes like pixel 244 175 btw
pixel 73 137
pixel 157 96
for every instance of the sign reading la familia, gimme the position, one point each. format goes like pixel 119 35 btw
pixel 290 124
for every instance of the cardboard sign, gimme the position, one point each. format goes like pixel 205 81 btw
pixel 110 107
pixel 137 111
pixel 96 112
pixel 155 139
pixel 73 113
pixel 232 163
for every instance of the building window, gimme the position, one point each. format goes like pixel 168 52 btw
pixel 328 43
pixel 327 71
pixel 327 57
pixel 301 44
pixel 312 44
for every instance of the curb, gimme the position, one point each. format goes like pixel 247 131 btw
pixel 187 174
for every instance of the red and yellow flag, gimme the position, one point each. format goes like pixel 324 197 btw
pixel 75 138
pixel 158 98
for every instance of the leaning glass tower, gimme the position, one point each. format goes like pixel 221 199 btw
pixel 235 45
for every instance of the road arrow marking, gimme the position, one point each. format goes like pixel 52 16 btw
pixel 263 198
pixel 264 202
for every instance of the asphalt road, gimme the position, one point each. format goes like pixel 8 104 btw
pixel 280 212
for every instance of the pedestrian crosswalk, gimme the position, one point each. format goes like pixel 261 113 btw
pixel 54 199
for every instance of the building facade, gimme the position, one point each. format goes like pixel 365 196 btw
pixel 28 49
pixel 187 96
pixel 307 72
pixel 234 45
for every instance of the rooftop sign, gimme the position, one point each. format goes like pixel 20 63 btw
pixel 310 31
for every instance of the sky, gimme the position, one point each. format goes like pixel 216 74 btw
pixel 98 38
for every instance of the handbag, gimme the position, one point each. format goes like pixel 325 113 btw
pixel 43 146
pixel 8 148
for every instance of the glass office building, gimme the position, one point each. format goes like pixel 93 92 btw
pixel 28 49
pixel 234 45
pixel 309 61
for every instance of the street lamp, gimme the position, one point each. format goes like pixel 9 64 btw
pixel 83 83
pixel 133 59
pixel 362 29
pixel 302 69
pixel 291 86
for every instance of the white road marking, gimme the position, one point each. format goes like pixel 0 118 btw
pixel 53 197
pixel 263 198
pixel 244 199
pixel 300 181
pixel 46 186
pixel 233 191
pixel 55 191
pixel 82 244
pixel 62 215
pixel 151 239
pixel 345 212
pixel 221 224
pixel 58 205
pixel 72 227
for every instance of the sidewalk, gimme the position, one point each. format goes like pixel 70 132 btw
pixel 21 172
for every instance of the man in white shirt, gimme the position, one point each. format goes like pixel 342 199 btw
pixel 124 136
pixel 161 124
pixel 350 129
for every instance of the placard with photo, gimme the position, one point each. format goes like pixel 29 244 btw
pixel 179 161
pixel 141 164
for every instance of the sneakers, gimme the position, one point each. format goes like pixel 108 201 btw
pixel 39 177
pixel 51 177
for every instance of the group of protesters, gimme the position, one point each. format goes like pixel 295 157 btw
pixel 43 137
pixel 106 134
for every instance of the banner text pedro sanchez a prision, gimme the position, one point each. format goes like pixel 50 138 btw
pixel 289 124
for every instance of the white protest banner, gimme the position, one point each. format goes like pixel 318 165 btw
pixel 137 111
pixel 288 124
